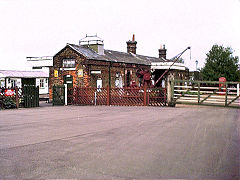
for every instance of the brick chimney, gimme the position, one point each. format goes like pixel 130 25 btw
pixel 132 45
pixel 162 52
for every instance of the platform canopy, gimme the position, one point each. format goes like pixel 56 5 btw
pixel 23 74
pixel 166 65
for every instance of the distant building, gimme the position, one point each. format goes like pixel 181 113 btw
pixel 12 79
pixel 42 63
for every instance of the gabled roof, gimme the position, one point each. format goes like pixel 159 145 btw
pixel 115 56
pixel 23 74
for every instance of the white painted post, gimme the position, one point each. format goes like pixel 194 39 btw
pixel 95 98
pixel 237 89
pixel 65 95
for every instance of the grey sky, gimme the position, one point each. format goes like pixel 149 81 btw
pixel 43 27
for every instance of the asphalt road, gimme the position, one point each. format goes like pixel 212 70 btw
pixel 79 142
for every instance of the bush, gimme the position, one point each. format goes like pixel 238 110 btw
pixel 8 103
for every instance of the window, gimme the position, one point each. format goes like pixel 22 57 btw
pixel 13 83
pixel 41 83
pixel 99 84
pixel 2 83
pixel 68 63
pixel 118 81
pixel 128 78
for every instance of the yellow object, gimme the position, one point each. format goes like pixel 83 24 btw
pixel 80 73
pixel 55 73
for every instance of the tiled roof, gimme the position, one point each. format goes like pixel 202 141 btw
pixel 22 74
pixel 116 56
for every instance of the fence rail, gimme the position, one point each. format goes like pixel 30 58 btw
pixel 206 93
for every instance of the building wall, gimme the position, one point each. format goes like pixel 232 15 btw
pixel 18 83
pixel 44 89
pixel 87 67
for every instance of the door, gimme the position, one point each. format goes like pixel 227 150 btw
pixel 68 79
pixel 58 95
pixel 30 96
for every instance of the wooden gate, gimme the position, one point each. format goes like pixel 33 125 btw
pixel 58 95
pixel 157 97
pixel 30 94
pixel 212 93
pixel 138 96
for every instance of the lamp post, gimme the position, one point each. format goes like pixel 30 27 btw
pixel 196 64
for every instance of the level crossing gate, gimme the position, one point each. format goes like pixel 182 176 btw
pixel 130 96
pixel 211 93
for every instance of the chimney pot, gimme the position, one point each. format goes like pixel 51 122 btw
pixel 162 52
pixel 132 45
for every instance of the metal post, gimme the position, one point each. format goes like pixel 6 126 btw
pixel 108 95
pixel 145 95
pixel 172 90
pixel 65 94
pixel 17 97
pixel 226 93
pixel 198 92
pixel 95 98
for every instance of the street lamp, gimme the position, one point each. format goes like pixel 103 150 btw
pixel 196 64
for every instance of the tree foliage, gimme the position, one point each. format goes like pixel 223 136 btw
pixel 220 62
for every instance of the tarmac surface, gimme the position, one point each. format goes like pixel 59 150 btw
pixel 110 142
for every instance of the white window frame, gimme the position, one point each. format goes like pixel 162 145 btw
pixel 13 83
pixel 69 63
pixel 42 83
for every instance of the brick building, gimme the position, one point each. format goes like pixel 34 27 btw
pixel 90 65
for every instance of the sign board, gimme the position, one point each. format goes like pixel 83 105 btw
pixel 80 73
pixel 9 92
pixel 55 73
pixel 222 79
pixel 222 86
pixel 95 72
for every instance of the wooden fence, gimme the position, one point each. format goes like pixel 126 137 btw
pixel 205 93
pixel 118 96
pixel 28 96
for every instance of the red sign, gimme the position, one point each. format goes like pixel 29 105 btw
pixel 222 79
pixel 9 92
pixel 222 86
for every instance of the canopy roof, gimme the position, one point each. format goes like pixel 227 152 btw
pixel 23 74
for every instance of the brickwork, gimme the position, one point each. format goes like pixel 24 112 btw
pixel 109 71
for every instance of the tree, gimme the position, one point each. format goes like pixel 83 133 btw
pixel 220 62
pixel 180 60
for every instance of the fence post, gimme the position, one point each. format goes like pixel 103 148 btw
pixel 108 96
pixel 65 94
pixel 145 95
pixel 75 95
pixel 95 98
pixel 37 96
pixel 172 90
pixel 237 89
pixel 226 93
pixel 165 96
pixel 17 97
pixel 198 92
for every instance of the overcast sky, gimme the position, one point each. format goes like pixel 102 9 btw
pixel 43 27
